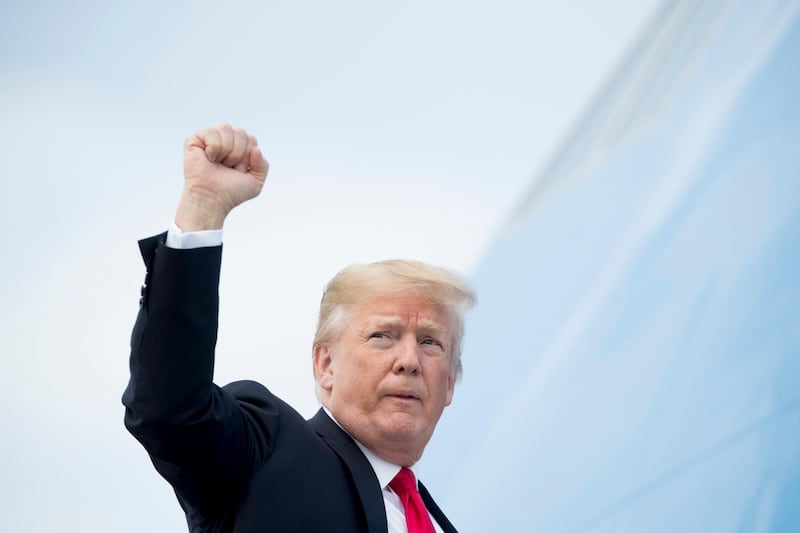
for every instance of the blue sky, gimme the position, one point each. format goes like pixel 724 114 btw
pixel 393 130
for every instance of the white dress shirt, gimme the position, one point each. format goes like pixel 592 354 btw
pixel 384 470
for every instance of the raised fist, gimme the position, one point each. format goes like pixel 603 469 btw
pixel 223 167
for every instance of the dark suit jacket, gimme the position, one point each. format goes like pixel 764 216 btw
pixel 238 457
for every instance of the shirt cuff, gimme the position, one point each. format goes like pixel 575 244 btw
pixel 192 239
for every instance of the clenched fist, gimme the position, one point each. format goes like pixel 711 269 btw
pixel 222 167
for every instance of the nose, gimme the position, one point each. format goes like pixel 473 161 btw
pixel 407 357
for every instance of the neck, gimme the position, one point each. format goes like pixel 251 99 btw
pixel 400 455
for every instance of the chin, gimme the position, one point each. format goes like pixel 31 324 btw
pixel 401 427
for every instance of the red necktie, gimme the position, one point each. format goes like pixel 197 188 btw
pixel 417 517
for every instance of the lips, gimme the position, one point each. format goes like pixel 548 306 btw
pixel 404 395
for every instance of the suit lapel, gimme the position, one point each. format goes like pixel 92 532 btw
pixel 369 489
pixel 437 513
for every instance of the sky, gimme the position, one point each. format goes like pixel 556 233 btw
pixel 392 130
pixel 644 304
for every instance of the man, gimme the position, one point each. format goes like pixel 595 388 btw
pixel 386 356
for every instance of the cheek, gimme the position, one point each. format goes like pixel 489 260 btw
pixel 357 383
pixel 441 383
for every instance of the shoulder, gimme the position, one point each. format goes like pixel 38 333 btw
pixel 247 388
pixel 257 400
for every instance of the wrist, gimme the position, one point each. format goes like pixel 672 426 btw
pixel 199 212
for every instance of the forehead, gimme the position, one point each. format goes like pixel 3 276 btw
pixel 400 310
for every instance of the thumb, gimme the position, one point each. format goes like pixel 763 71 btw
pixel 258 165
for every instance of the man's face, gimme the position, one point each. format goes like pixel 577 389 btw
pixel 388 376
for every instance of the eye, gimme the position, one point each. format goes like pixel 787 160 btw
pixel 431 342
pixel 380 338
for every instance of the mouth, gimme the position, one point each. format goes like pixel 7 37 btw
pixel 406 396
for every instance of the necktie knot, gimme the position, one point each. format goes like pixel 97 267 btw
pixel 404 482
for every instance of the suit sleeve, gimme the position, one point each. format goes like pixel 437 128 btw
pixel 202 439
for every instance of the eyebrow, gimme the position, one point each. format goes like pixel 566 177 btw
pixel 386 322
pixel 431 325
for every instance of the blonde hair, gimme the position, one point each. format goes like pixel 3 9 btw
pixel 396 276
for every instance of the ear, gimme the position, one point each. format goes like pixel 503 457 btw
pixel 451 386
pixel 323 366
